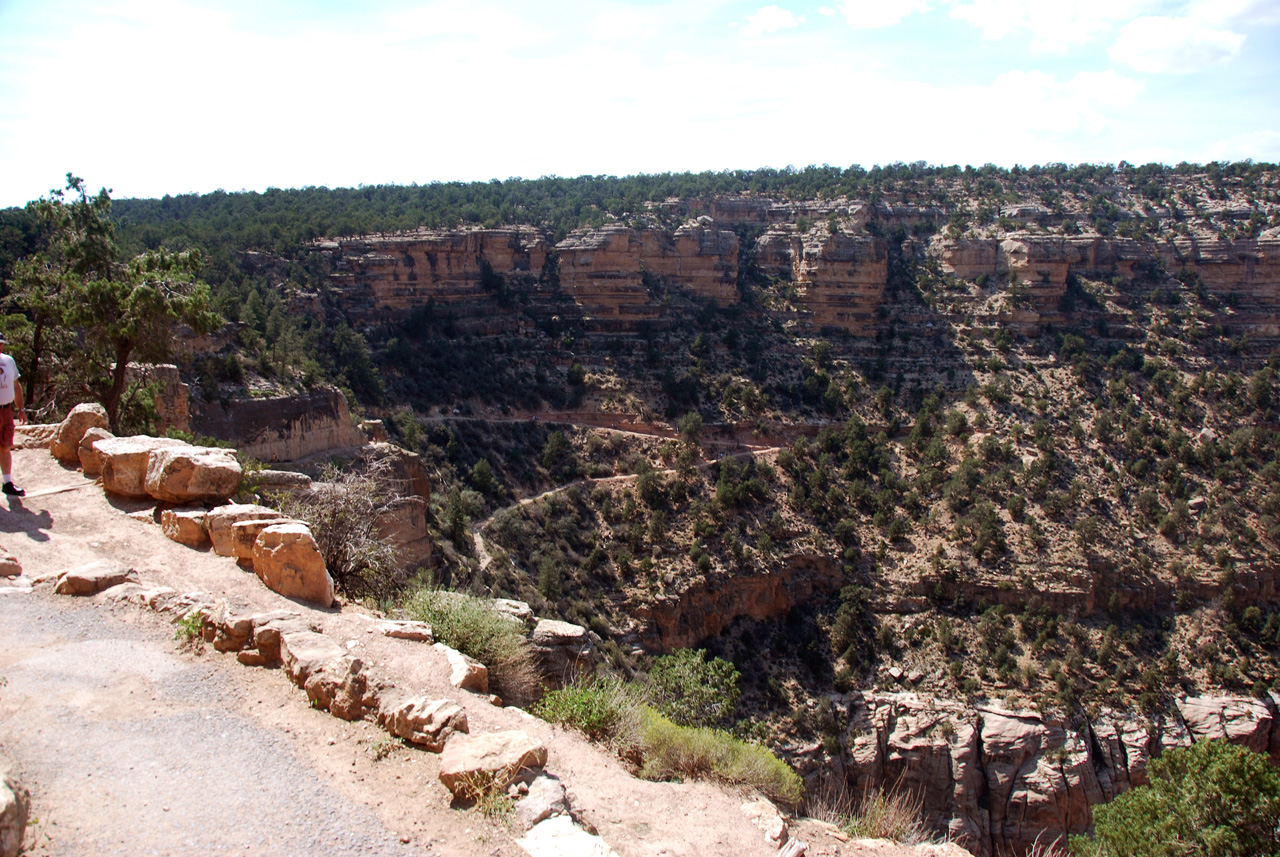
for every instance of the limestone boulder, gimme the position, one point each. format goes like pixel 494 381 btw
pixel 281 481
pixel 429 723
pixel 185 526
pixel 90 460
pixel 465 673
pixel 546 798
pixel 15 809
pixel 244 534
pixel 561 650
pixel 558 836
pixel 407 629
pixel 93 577
pixel 342 688
pixel 66 441
pixel 491 760
pixel 125 462
pixel 192 474
pixel 287 559
pixel 219 522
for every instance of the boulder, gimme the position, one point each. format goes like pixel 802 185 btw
pixel 466 673
pixel 561 650
pixel 765 815
pixel 287 559
pixel 9 565
pixel 341 688
pixel 428 723
pixel 192 474
pixel 545 799
pixel 15 809
pixel 406 629
pixel 518 610
pixel 185 526
pixel 90 461
pixel 473 764
pixel 219 522
pixel 125 462
pixel 306 652
pixel 558 836
pixel 94 577
pixel 244 534
pixel 66 441
pixel 280 481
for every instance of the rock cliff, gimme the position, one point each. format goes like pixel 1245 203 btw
pixel 995 779
pixel 615 274
pixel 281 428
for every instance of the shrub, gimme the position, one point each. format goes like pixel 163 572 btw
pixel 1213 798
pixel 603 709
pixel 673 751
pixel 472 626
pixel 693 691
pixel 342 509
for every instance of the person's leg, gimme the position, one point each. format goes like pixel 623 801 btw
pixel 6 454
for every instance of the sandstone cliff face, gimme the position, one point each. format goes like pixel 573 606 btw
pixel 283 428
pixel 840 277
pixel 994 779
pixel 707 607
pixel 390 275
pixel 604 269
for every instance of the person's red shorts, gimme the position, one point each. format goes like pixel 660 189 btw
pixel 6 427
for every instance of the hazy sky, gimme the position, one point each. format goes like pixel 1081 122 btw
pixel 156 96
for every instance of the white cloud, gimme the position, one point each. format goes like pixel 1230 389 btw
pixel 873 14
pixel 1237 12
pixel 1053 25
pixel 1067 107
pixel 1160 45
pixel 770 19
pixel 826 10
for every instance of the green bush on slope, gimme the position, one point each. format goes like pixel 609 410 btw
pixel 1213 798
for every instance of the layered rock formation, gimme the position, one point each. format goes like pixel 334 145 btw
pixel 380 276
pixel 281 428
pixel 609 271
pixel 995 779
pixel 708 606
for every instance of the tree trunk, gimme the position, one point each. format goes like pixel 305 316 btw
pixel 111 401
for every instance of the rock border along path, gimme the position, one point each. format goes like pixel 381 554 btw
pixel 346 666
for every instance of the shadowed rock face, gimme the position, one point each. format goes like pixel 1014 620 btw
pixel 283 428
pixel 707 607
pixel 605 269
pixel 994 779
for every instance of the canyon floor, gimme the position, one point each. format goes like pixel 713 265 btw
pixel 133 742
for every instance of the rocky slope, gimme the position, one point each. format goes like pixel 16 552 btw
pixel 997 509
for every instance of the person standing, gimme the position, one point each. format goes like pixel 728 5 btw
pixel 11 408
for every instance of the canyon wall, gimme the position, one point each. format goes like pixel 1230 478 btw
pixel 707 607
pixel 997 780
pixel 618 277
pixel 616 274
pixel 376 277
pixel 280 428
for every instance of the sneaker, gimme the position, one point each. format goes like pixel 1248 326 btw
pixel 13 490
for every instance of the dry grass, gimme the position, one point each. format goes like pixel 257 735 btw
pixel 893 814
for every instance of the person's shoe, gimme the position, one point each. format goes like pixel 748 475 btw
pixel 13 490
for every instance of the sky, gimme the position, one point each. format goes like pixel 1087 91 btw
pixel 155 97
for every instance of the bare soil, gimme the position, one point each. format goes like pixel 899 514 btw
pixel 134 743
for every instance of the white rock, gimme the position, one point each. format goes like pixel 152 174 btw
pixel 560 837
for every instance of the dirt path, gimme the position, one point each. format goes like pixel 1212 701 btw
pixel 132 745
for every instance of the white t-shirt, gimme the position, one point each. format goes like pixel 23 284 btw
pixel 9 376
